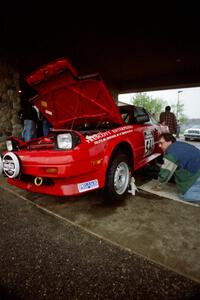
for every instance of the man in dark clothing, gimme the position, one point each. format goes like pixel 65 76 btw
pixel 168 118
pixel 28 113
pixel 30 121
pixel 183 161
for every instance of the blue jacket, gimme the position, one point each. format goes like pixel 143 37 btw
pixel 182 160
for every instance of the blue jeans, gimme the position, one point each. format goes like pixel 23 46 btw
pixel 193 194
pixel 46 126
pixel 29 131
pixel 178 131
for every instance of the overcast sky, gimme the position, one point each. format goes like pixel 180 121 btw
pixel 190 97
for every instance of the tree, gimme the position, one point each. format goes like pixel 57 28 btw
pixel 178 110
pixel 153 105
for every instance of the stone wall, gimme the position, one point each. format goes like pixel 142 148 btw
pixel 9 103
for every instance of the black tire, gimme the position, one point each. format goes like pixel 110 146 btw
pixel 117 179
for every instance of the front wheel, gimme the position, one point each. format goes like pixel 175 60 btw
pixel 118 178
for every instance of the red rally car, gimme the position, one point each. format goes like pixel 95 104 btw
pixel 93 143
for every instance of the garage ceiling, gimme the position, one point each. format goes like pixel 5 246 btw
pixel 133 53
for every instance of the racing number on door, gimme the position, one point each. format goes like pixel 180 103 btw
pixel 148 142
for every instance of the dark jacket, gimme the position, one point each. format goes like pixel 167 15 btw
pixel 28 112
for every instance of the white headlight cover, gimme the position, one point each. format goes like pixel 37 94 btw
pixel 1 165
pixel 11 165
pixel 9 145
pixel 64 141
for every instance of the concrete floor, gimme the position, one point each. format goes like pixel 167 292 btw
pixel 45 256
pixel 164 231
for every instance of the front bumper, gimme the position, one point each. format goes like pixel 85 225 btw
pixel 192 136
pixel 58 173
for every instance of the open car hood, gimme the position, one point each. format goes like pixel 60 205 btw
pixel 66 99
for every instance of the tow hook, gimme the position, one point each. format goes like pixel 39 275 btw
pixel 38 181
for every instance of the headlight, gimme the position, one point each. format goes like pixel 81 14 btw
pixel 64 141
pixel 9 145
pixel 67 140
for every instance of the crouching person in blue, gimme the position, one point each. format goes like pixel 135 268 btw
pixel 183 161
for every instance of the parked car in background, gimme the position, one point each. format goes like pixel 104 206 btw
pixel 93 143
pixel 192 133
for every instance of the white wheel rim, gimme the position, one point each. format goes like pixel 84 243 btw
pixel 121 178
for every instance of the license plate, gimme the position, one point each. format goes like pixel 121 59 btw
pixel 88 185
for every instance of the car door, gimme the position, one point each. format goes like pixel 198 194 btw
pixel 143 137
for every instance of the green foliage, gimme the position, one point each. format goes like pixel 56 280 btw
pixel 178 110
pixel 156 105
pixel 153 105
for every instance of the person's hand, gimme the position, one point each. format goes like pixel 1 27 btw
pixel 157 186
